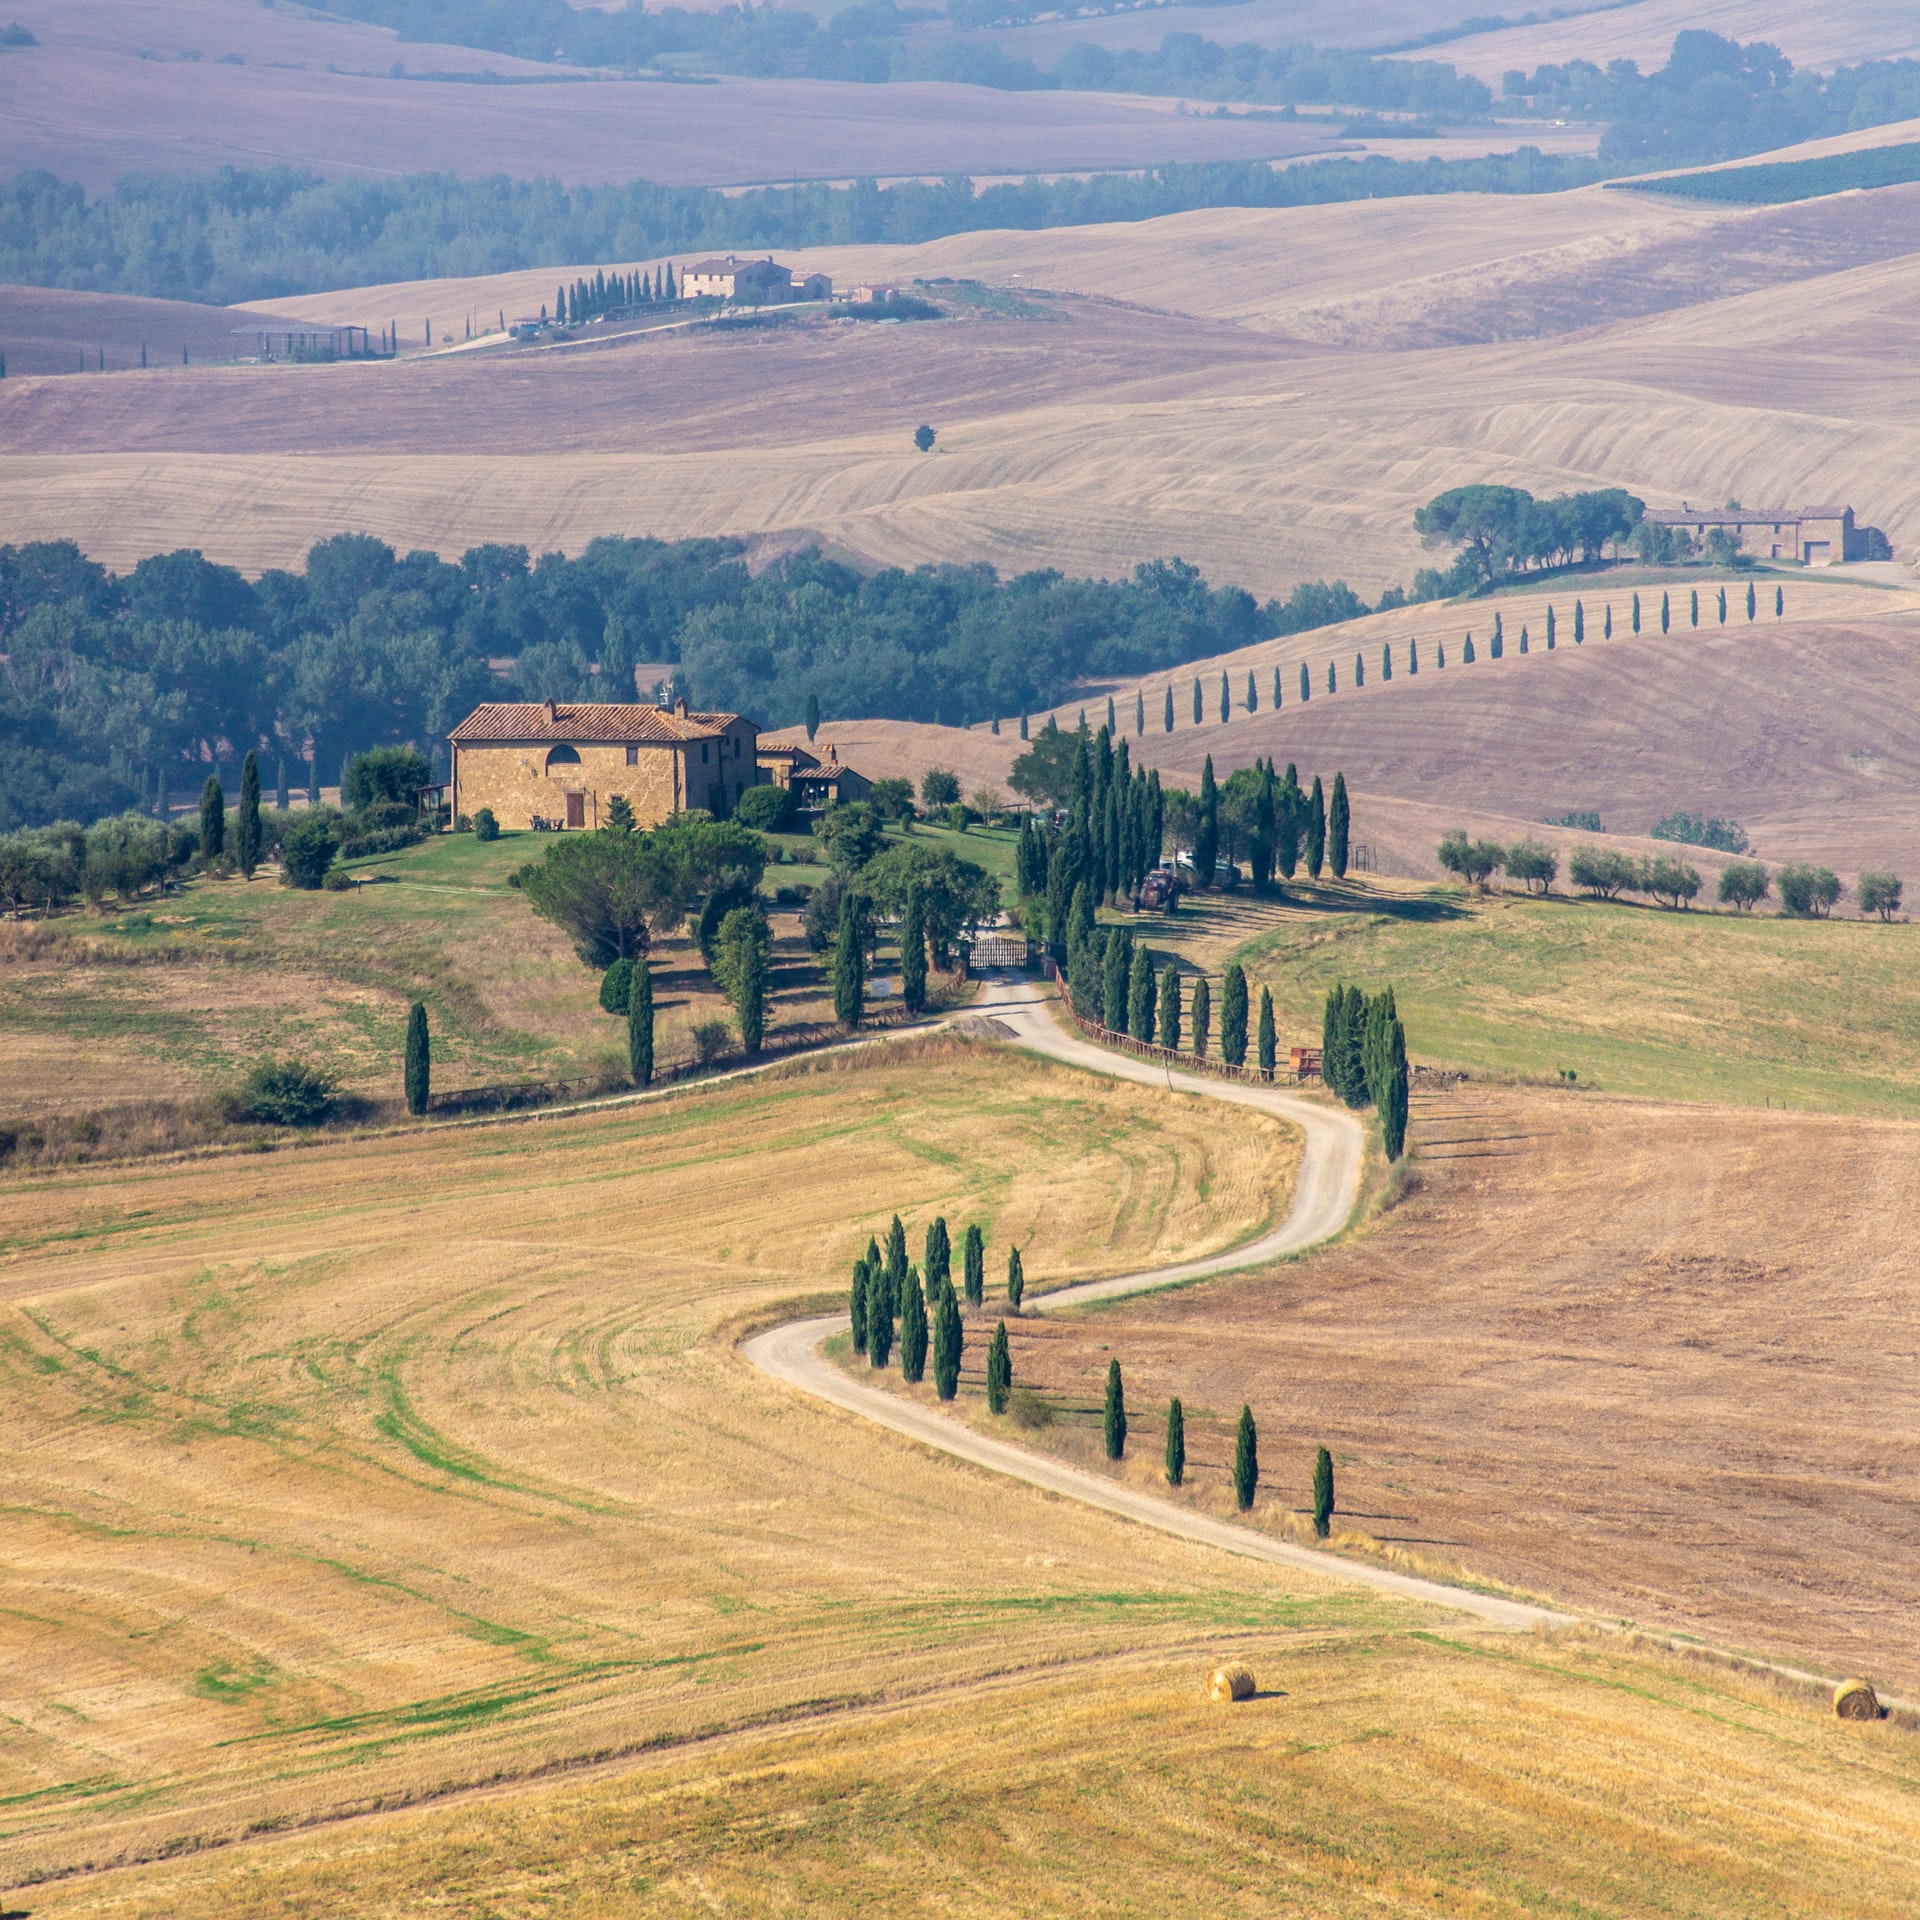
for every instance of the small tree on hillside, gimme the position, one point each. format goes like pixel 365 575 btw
pixel 999 1370
pixel 1176 1443
pixel 1744 884
pixel 640 1024
pixel 246 833
pixel 1323 1493
pixel 1168 1034
pixel 1233 1016
pixel 1265 1036
pixel 813 715
pixel 213 819
pixel 973 1260
pixel 1016 1279
pixel 1473 860
pixel 1337 824
pixel 1202 1016
pixel 1534 864
pixel 1169 714
pixel 419 1071
pixel 1807 891
pixel 1880 893
pixel 1115 1421
pixel 1246 1461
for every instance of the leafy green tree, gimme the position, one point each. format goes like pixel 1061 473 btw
pixel 999 1370
pixel 1116 973
pixel 1322 1493
pixel 1202 1016
pixel 1246 1460
pixel 1168 1034
pixel 419 1059
pixel 1016 1279
pixel 913 950
pixel 939 1257
pixel 1115 1421
pixel 1044 773
pixel 1808 891
pixel 1533 863
pixel 1316 830
pixel 391 776
pixel 948 1342
pixel 640 1024
pixel 1879 893
pixel 308 846
pixel 1744 884
pixel 1669 880
pixel 857 1305
pixel 1604 871
pixel 849 967
pixel 1140 996
pixel 213 819
pixel 923 437
pixel 1176 1443
pixel 852 834
pixel 1266 1052
pixel 246 834
pixel 913 1332
pixel 973 1254
pixel 1233 1016
pixel 1473 860
pixel 1338 820
pixel 957 896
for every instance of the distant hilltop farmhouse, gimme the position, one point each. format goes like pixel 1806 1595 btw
pixel 1815 536
pixel 730 278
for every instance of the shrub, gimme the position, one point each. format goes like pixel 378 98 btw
pixel 284 1093
pixel 710 1039
pixel 337 880
pixel 1808 891
pixel 1029 1410
pixel 892 799
pixel 485 826
pixel 1533 864
pixel 615 985
pixel 1604 871
pixel 307 850
pixel 765 809
pixel 1743 883
pixel 1724 836
pixel 1880 893
pixel 391 774
pixel 1583 817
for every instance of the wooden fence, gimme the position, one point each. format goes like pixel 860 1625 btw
pixel 1170 1056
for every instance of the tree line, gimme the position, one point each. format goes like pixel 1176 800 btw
pixel 612 291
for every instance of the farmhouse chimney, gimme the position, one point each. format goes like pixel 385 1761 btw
pixel 553 713
pixel 680 707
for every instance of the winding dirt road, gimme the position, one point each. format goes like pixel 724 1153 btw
pixel 1016 1009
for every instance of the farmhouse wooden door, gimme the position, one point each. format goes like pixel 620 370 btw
pixel 576 809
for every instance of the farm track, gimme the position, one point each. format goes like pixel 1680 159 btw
pixel 1323 1202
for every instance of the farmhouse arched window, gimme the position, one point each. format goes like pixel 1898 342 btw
pixel 562 757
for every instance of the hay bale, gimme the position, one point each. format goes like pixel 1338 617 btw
pixel 1855 1700
pixel 1229 1684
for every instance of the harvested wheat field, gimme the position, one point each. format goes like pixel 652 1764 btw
pixel 1653 1360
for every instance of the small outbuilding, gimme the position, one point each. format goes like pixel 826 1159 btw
pixel 815 783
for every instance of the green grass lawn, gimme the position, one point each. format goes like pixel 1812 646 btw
pixel 1821 1014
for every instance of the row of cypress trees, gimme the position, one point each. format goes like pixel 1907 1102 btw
pixel 923 1301
pixel 1363 1058
pixel 612 293
pixel 246 822
pixel 1114 832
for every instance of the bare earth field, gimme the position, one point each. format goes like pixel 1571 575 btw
pixel 47 330
pixel 1659 1358
pixel 1294 442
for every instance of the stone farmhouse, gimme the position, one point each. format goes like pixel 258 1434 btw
pixel 1815 536
pixel 560 765
pixel 750 282
pixel 814 782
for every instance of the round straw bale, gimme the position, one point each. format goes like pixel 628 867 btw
pixel 1855 1700
pixel 1230 1683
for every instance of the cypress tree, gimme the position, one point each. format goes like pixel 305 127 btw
pixel 879 1317
pixel 752 1007
pixel 1549 629
pixel 1140 996
pixel 857 1305
pixel 1276 689
pixel 1246 1460
pixel 1375 1048
pixel 1666 613
pixel 1752 604
pixel 1359 670
pixel 1338 820
pixel 1779 602
pixel 1413 656
pixel 246 831
pixel 1233 1016
pixel 896 1267
pixel 1206 837
pixel 1393 1109
pixel 1723 606
pixel 1168 1035
pixel 1693 607
pixel 813 715
pixel 913 1333
pixel 1226 700
pixel 1523 640
pixel 1080 919
pixel 1322 1493
pixel 849 967
pixel 1440 648
pixel 1497 646
pixel 1016 1280
pixel 1176 1443
pixel 1606 632
pixel 1202 1016
pixel 1253 693
pixel 419 1059
pixel 1636 613
pixel 640 1024
pixel 1116 1413
pixel 1199 702
pixel 939 1263
pixel 948 1342
pixel 1169 709
pixel 1316 829
pixel 913 949
pixel 1116 976
pixel 1266 1039
pixel 1333 1039
pixel 999 1370
pixel 1023 727
pixel 973 1256
pixel 213 819
pixel 1386 660
pixel 1113 725
pixel 1466 652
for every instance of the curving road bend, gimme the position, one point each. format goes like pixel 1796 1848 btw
pixel 1015 1008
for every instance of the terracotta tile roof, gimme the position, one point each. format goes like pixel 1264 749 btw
pixel 549 723
pixel 1742 516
